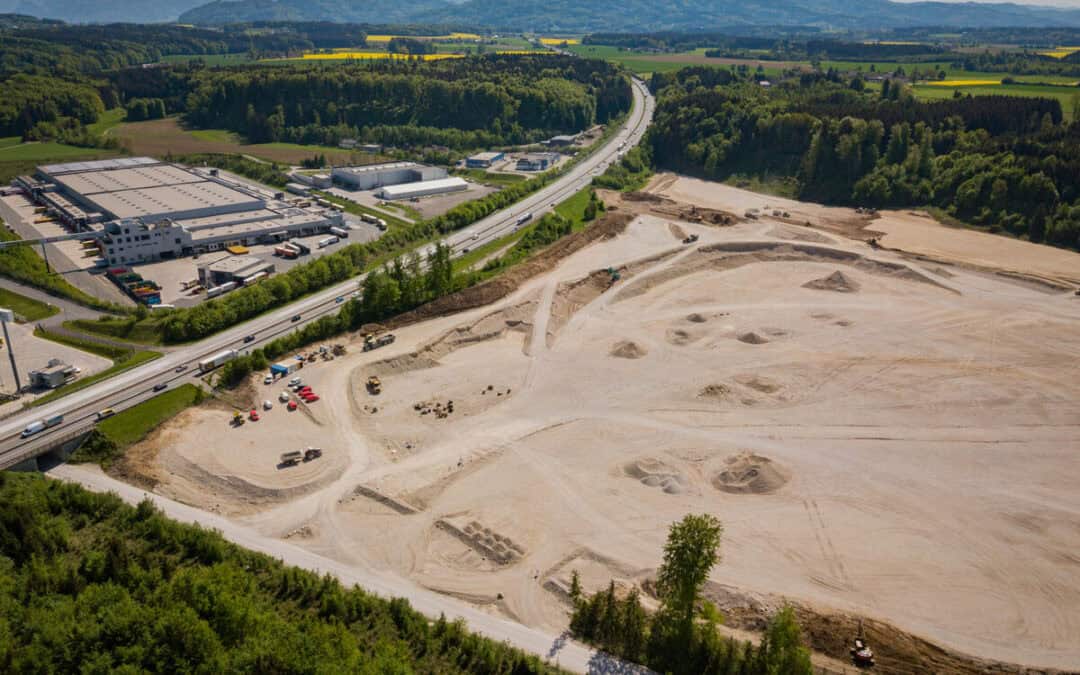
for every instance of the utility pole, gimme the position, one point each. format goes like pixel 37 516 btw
pixel 7 315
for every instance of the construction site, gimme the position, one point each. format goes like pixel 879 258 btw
pixel 881 411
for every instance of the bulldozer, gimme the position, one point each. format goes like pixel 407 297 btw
pixel 374 386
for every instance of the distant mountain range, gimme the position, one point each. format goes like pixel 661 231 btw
pixel 564 15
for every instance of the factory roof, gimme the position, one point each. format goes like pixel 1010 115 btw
pixel 424 187
pixel 99 165
pixel 166 199
pixel 95 182
pixel 486 156
pixel 371 168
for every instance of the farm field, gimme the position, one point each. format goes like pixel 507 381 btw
pixel 1066 95
pixel 160 137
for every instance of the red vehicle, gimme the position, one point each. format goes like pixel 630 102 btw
pixel 292 405
pixel 312 398
pixel 254 415
pixel 304 390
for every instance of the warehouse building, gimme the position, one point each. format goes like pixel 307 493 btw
pixel 423 189
pixel 243 269
pixel 381 175
pixel 139 209
pixel 483 160
pixel 541 161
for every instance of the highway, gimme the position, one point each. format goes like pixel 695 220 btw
pixel 133 386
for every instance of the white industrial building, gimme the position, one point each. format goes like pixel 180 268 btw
pixel 140 209
pixel 242 269
pixel 423 189
pixel 381 175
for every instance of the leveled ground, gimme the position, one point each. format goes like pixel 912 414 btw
pixel 880 436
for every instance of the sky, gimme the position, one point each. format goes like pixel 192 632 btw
pixel 1071 4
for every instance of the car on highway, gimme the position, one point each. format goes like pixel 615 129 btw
pixel 339 299
pixel 180 369
pixel 295 318
pixel 475 236
pixel 161 386
pixel 249 338
pixel 107 412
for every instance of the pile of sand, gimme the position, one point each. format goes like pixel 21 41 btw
pixel 749 473
pixel 752 338
pixel 681 338
pixel 696 318
pixel 837 281
pixel 655 473
pixel 758 383
pixel 625 349
pixel 715 391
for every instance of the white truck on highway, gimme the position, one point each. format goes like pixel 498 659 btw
pixel 216 360
pixel 41 425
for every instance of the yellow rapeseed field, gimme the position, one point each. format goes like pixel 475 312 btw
pixel 964 83
pixel 1060 52
pixel 379 55
pixel 451 36
pixel 559 41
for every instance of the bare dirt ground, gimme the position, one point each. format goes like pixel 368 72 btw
pixel 881 439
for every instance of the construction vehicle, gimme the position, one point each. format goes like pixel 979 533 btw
pixel 690 240
pixel 372 342
pixel 238 419
pixel 291 458
pixel 614 273
pixel 312 453
pixel 374 386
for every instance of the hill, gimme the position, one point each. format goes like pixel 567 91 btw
pixel 638 15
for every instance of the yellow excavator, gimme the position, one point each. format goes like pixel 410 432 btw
pixel 238 419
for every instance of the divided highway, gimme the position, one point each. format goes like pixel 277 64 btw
pixel 136 385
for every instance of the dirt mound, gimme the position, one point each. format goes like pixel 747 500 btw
pixel 752 338
pixel 676 231
pixel 749 473
pixel 715 391
pixel 837 281
pixel 794 234
pixel 625 349
pixel 696 318
pixel 758 383
pixel 656 473
pixel 680 338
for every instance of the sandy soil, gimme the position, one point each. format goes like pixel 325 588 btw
pixel 878 438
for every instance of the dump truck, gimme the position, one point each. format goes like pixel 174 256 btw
pixel 372 342
pixel 374 386
pixel 291 458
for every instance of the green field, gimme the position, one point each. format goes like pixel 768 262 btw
pixel 42 151
pixel 481 176
pixel 209 59
pixel 133 424
pixel 26 308
pixel 108 120
pixel 1066 95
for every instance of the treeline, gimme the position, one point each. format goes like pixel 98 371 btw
pixel 28 101
pixel 491 99
pixel 397 287
pixel 1006 163
pixel 682 637
pixel 94 585
pixel 139 109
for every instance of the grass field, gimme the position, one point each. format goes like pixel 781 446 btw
pixel 356 209
pixel 481 176
pixel 160 137
pixel 108 120
pixel 133 424
pixel 143 332
pixel 210 59
pixel 26 308
pixel 1063 94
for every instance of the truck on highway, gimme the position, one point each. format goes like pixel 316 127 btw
pixel 41 425
pixel 206 365
pixel 524 219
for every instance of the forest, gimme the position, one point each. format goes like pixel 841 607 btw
pixel 89 584
pixel 461 103
pixel 1005 163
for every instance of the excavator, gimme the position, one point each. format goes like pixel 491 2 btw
pixel 238 419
